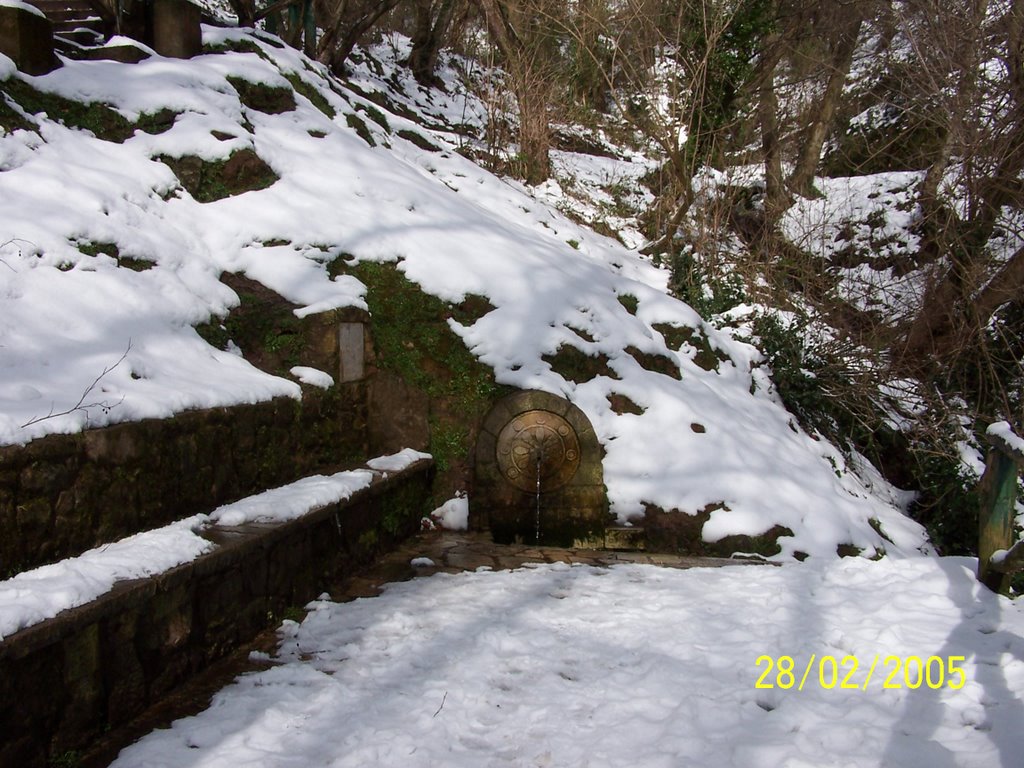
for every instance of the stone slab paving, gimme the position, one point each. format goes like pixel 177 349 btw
pixel 450 552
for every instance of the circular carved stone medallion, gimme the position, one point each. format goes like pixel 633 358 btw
pixel 538 442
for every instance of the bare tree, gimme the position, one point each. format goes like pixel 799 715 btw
pixel 433 19
pixel 981 160
pixel 344 22
pixel 519 32
pixel 848 21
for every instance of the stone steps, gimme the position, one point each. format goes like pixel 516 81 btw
pixel 76 26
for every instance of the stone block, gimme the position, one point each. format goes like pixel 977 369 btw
pixel 27 38
pixel 82 686
pixel 398 415
pixel 351 352
pixel 113 445
pixel 176 29
pixel 630 539
pixel 124 678
pixel 35 518
pixel 126 54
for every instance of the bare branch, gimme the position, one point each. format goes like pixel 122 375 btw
pixel 81 405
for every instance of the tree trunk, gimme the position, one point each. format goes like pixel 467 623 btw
pixel 534 132
pixel 775 198
pixel 1007 286
pixel 531 89
pixel 432 23
pixel 245 10
pixel 345 27
pixel 802 180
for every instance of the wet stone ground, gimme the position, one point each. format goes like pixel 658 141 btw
pixel 451 552
pixel 446 551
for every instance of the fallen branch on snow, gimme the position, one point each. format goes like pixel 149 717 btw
pixel 81 405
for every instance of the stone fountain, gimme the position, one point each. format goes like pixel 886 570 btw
pixel 537 474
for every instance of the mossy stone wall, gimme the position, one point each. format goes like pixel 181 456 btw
pixel 66 681
pixel 427 390
pixel 63 494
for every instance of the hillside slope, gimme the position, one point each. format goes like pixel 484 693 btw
pixel 113 244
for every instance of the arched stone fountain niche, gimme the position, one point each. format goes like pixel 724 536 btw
pixel 537 474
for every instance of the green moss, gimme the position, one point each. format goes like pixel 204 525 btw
pixel 241 45
pixel 655 363
pixel 269 99
pixel 447 444
pixel 676 336
pixel 471 309
pixel 582 334
pixel 311 93
pixel 68 759
pixel 264 326
pixel 367 542
pixel 10 119
pixel 214 333
pixel 90 248
pixel 419 140
pixel 575 365
pixel 401 512
pixel 242 171
pixel 156 122
pixel 376 115
pixel 630 302
pixel 413 340
pixel 356 124
pixel 294 613
pixel 99 118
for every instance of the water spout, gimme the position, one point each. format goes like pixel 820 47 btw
pixel 540 461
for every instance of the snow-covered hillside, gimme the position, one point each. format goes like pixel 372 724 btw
pixel 105 254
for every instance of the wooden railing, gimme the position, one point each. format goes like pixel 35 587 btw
pixel 1000 555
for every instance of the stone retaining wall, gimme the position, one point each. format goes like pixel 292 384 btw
pixel 67 680
pixel 63 494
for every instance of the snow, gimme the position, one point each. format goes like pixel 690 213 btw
pixel 635 666
pixel 68 312
pixel 312 376
pixel 1004 432
pixel 293 500
pixel 453 514
pixel 398 461
pixel 33 596
pixel 22 6
pixel 864 225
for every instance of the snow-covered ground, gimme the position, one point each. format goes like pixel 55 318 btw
pixel 633 666
pixel 77 212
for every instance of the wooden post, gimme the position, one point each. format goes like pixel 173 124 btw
pixel 998 497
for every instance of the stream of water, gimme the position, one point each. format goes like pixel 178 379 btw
pixel 540 456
